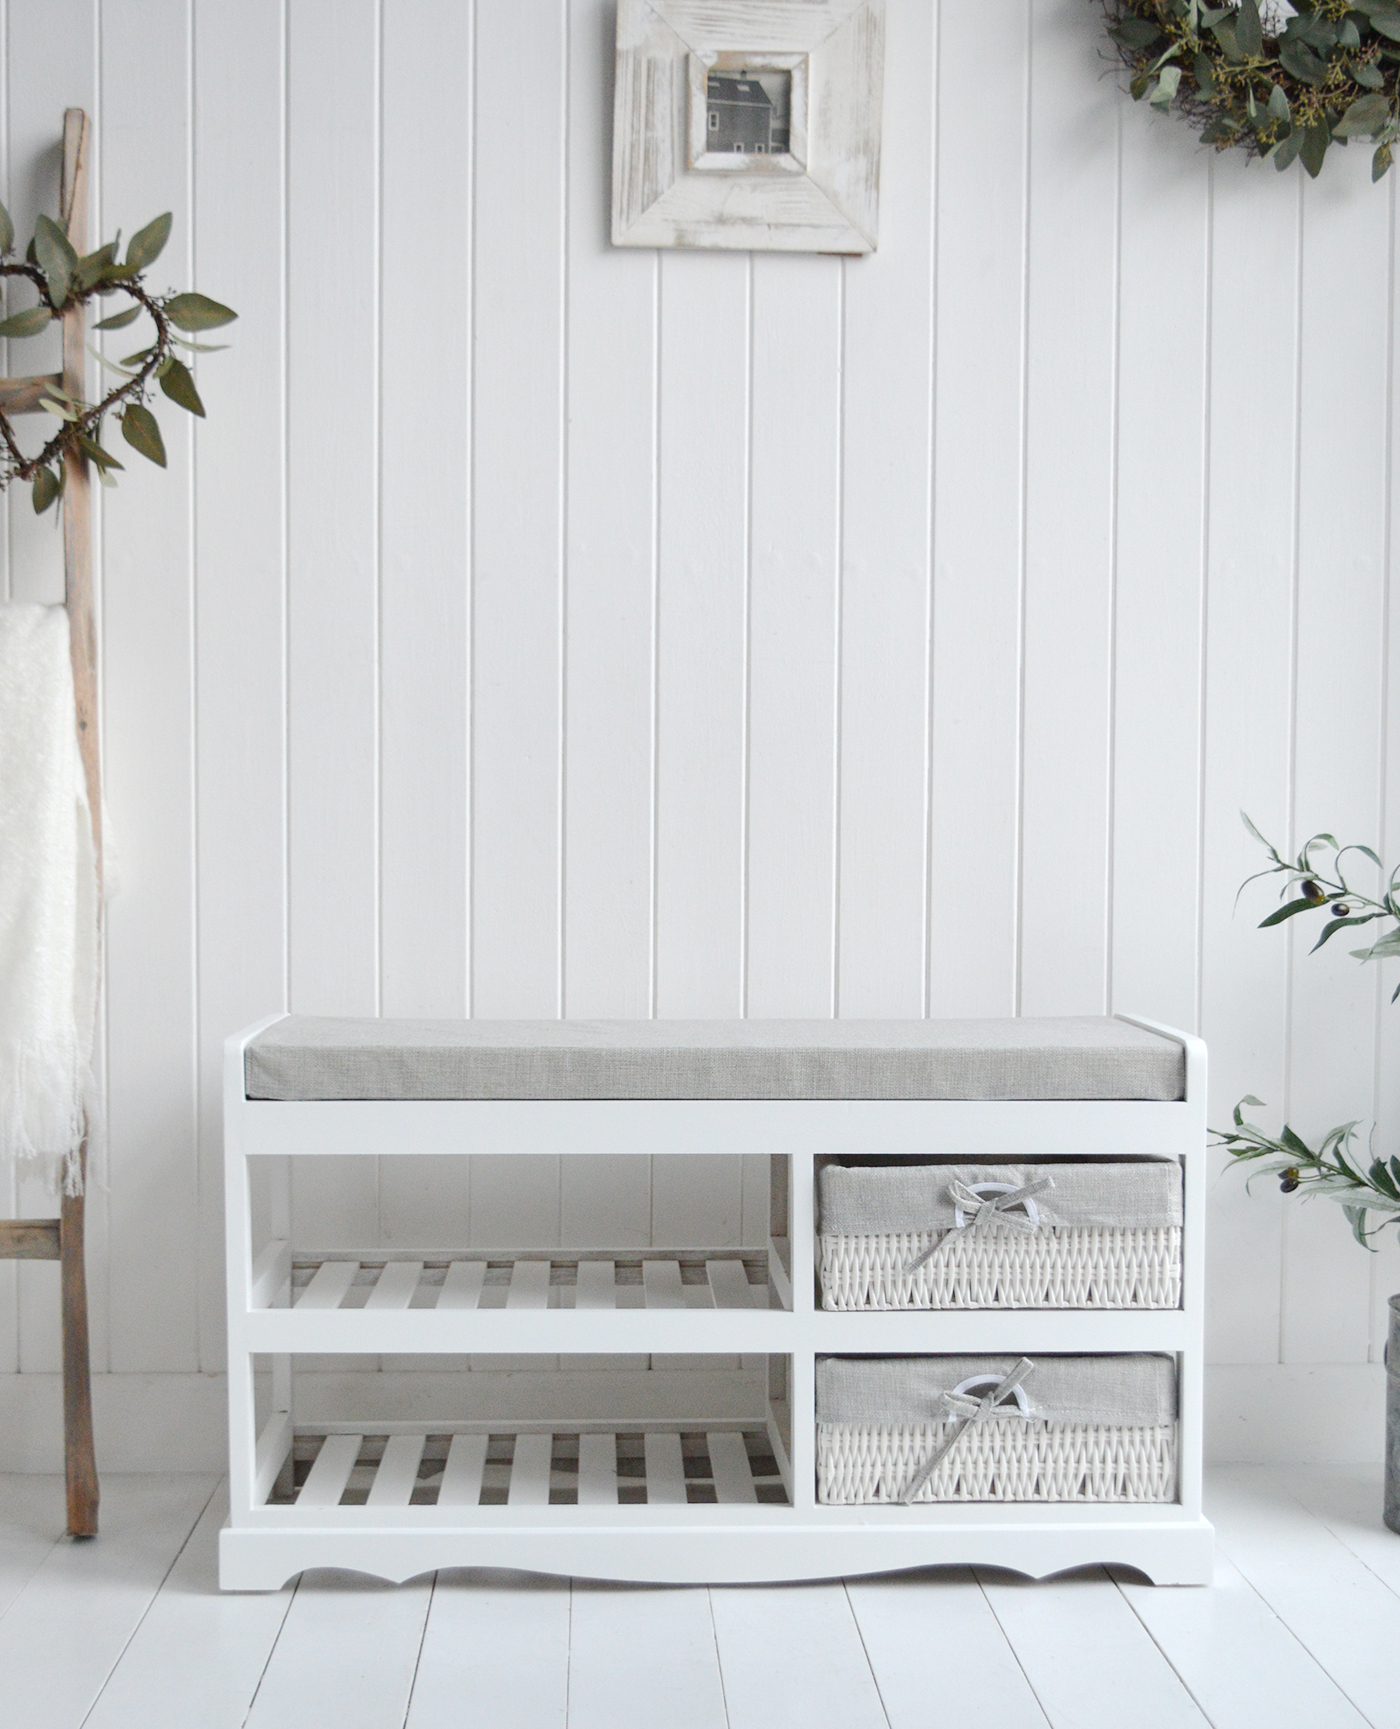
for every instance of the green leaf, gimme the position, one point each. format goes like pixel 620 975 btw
pixel 201 347
pixel 1167 81
pixel 46 489
pixel 1249 29
pixel 90 268
pixel 1332 926
pixel 1366 116
pixel 1135 32
pixel 1289 910
pixel 139 358
pixel 120 320
pixel 141 431
pixel 1258 1104
pixel 1204 74
pixel 1224 33
pixel 148 243
pixel 116 274
pixel 1356 1218
pixel 178 385
pixel 1278 104
pixel 1380 162
pixel 1387 23
pixel 1387 946
pixel 1365 72
pixel 1315 142
pixel 111 365
pixel 197 312
pixel 59 410
pixel 7 231
pixel 103 458
pixel 27 323
pixel 1299 59
pixel 56 258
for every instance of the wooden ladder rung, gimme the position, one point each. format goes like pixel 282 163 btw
pixel 21 395
pixel 30 1240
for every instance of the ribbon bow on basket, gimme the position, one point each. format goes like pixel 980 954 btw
pixel 982 1207
pixel 967 1410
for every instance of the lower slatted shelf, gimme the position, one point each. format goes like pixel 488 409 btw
pixel 696 1279
pixel 728 1464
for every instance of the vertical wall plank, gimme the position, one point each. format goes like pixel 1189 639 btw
pixel 610 490
pixel 1162 405
pixel 793 598
pixel 425 529
pixel 333 479
pixel 517 455
pixel 333 186
pixel 611 539
pixel 702 638
pixel 517 394
pixel 702 689
pixel 884 647
pixel 1341 548
pixel 149 766
pixel 1249 719
pixel 1385 1264
pixel 978 480
pixel 239 154
pixel 1071 359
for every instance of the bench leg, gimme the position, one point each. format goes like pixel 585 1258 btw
pixel 79 1459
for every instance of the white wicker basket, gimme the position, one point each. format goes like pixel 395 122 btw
pixel 1023 1455
pixel 1103 1236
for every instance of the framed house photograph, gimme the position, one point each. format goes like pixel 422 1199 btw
pixel 753 126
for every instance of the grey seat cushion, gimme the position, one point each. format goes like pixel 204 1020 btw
pixel 306 1057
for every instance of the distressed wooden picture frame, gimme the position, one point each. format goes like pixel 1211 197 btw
pixel 799 85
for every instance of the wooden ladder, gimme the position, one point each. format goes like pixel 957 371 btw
pixel 61 1239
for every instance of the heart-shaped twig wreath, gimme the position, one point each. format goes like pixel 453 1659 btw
pixel 65 281
pixel 1277 80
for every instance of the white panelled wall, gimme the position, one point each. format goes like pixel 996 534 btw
pixel 540 629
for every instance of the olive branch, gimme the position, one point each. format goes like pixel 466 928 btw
pixel 1312 881
pixel 1281 82
pixel 1332 1170
pixel 65 281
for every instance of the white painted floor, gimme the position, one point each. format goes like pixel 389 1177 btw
pixel 1302 1627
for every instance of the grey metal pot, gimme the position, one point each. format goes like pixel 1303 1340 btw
pixel 1392 1419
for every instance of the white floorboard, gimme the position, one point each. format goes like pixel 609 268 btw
pixel 792 1658
pixel 346 1656
pixel 1299 1631
pixel 985 1684
pixel 199 1654
pixel 1241 1663
pixel 501 1641
pixel 68 1628
pixel 1088 1657
pixel 640 1656
pixel 1348 1499
pixel 31 1524
pixel 1333 1602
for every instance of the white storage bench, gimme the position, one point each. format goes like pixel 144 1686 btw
pixel 794 1463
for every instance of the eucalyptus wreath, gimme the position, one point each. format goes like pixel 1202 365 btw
pixel 65 281
pixel 1280 81
pixel 1316 882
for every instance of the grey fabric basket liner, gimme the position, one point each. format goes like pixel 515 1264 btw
pixel 305 1057
pixel 1135 1391
pixel 866 1200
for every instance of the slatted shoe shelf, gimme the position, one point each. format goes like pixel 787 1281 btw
pixel 674 1473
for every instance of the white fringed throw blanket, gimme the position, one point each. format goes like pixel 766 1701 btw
pixel 48 901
